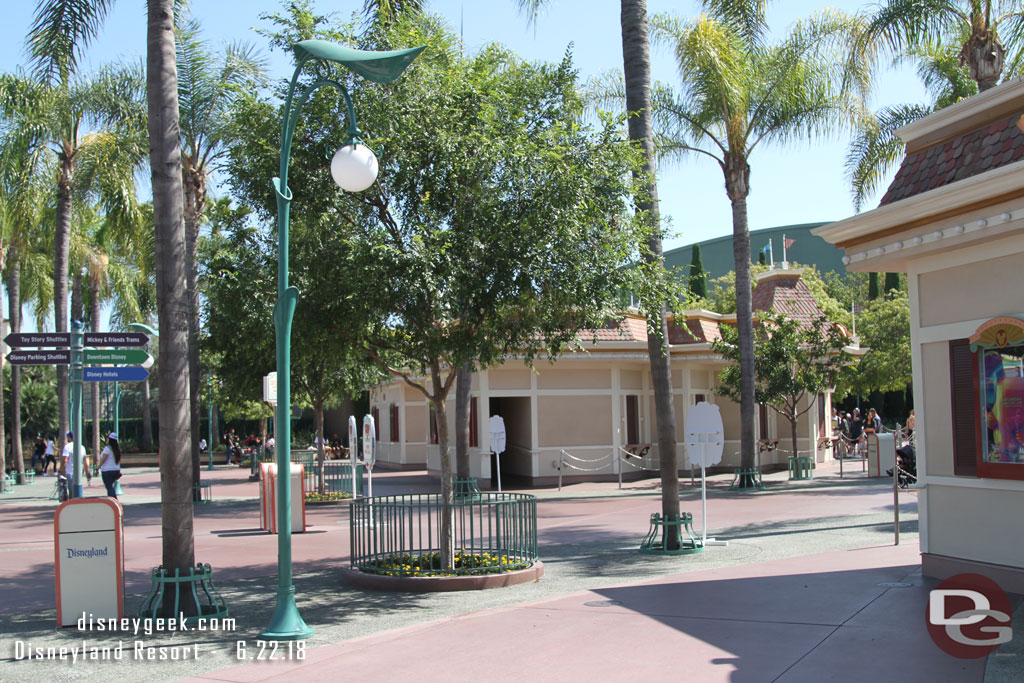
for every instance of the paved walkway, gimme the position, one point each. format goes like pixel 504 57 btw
pixel 794 594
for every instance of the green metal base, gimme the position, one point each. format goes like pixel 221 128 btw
pixel 191 593
pixel 287 623
pixel 747 479
pixel 656 540
pixel 801 468
pixel 465 488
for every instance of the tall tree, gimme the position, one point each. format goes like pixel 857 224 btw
pixel 208 85
pixel 872 286
pixel 90 126
pixel 794 362
pixel 738 92
pixel 698 278
pixel 982 29
pixel 61 31
pixel 636 63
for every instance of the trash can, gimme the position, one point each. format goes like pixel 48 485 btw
pixel 89 559
pixel 268 497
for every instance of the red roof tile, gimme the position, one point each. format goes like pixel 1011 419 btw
pixel 786 294
pixel 989 146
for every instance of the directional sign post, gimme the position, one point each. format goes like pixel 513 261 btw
pixel 40 357
pixel 118 357
pixel 131 373
pixel 113 339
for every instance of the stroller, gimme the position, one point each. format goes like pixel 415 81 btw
pixel 906 459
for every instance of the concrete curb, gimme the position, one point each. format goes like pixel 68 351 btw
pixel 441 584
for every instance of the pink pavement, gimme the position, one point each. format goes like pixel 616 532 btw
pixel 813 618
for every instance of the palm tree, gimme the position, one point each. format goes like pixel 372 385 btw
pixel 876 148
pixel 983 29
pixel 637 71
pixel 62 29
pixel 738 92
pixel 98 164
pixel 207 88
pixel 24 182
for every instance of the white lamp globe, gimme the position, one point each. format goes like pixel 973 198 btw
pixel 354 167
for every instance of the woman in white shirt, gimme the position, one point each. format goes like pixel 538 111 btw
pixel 110 464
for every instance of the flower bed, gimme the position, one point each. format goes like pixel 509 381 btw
pixel 429 564
pixel 328 497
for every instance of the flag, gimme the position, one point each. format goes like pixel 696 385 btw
pixel 789 242
pixel 766 248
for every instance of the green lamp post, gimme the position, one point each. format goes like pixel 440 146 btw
pixel 354 168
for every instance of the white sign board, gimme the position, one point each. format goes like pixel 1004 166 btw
pixel 89 559
pixel 269 500
pixel 705 435
pixel 496 426
pixel 368 438
pixel 270 388
pixel 353 438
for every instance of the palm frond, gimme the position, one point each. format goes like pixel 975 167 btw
pixel 60 32
pixel 876 149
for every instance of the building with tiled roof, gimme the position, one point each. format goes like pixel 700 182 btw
pixel 953 221
pixel 590 406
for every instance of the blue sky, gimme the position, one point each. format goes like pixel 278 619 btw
pixel 800 183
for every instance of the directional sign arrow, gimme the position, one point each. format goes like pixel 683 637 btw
pixel 43 357
pixel 115 339
pixel 112 356
pixel 38 339
pixel 131 373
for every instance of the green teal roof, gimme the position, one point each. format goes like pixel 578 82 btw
pixel 808 249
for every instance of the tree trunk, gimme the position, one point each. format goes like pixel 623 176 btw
pixel 61 248
pixel 321 452
pixel 147 419
pixel 77 303
pixel 446 540
pixel 194 187
pixel 3 436
pixel 94 388
pixel 14 299
pixel 172 296
pixel 463 387
pixel 737 177
pixel 792 427
pixel 985 57
pixel 636 61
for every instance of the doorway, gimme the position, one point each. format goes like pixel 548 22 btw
pixel 515 461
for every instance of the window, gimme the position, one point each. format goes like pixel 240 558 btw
pixel 376 424
pixel 632 419
pixel 762 420
pixel 433 425
pixel 394 423
pixel 822 417
pixel 987 398
pixel 474 431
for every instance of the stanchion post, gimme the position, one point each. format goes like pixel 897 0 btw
pixel 77 351
pixel 896 499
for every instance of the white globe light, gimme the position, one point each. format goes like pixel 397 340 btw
pixel 354 167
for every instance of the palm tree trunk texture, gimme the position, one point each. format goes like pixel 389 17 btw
pixel 194 187
pixel 737 177
pixel 61 249
pixel 172 296
pixel 14 301
pixel 446 539
pixel 94 387
pixel 636 61
pixel 77 303
pixel 463 387
pixel 3 439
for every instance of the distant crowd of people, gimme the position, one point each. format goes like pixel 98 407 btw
pixel 849 430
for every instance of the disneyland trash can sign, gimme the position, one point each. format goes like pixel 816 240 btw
pixel 89 559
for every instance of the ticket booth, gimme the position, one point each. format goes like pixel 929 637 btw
pixel 89 559
pixel 268 497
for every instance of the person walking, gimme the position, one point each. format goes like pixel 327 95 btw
pixel 50 456
pixel 37 453
pixel 67 461
pixel 110 464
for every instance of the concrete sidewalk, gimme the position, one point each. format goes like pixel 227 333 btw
pixel 853 615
